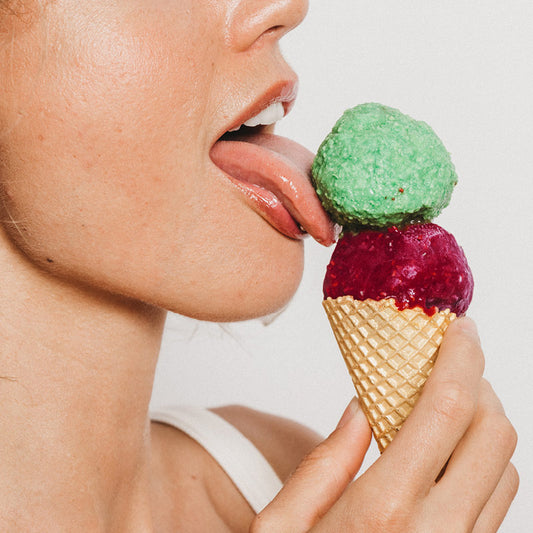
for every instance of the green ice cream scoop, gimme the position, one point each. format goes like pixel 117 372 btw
pixel 380 168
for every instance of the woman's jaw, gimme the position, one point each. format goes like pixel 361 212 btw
pixel 110 181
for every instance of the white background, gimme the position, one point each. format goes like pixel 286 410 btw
pixel 465 67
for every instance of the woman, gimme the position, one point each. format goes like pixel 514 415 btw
pixel 113 210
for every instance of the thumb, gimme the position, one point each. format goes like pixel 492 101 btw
pixel 320 479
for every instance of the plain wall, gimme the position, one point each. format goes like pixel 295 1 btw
pixel 466 68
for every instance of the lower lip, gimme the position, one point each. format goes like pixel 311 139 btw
pixel 270 208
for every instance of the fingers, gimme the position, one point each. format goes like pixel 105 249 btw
pixel 320 479
pixel 458 419
pixel 494 512
pixel 478 463
pixel 442 414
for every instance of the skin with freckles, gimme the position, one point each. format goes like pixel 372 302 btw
pixel 116 120
pixel 112 212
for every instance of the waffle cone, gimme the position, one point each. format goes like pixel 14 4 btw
pixel 389 354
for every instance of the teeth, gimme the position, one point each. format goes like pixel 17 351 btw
pixel 270 115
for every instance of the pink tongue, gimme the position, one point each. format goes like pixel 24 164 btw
pixel 281 166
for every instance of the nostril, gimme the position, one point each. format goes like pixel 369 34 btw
pixel 249 20
pixel 275 28
pixel 275 32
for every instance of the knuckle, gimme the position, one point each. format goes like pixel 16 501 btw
pixel 503 434
pixel 513 480
pixel 486 386
pixel 454 404
pixel 488 399
pixel 495 421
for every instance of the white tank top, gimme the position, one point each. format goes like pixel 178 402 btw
pixel 240 459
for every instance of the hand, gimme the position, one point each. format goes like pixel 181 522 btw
pixel 457 421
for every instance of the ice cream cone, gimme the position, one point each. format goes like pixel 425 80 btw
pixel 389 354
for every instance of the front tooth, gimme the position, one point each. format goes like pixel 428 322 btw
pixel 271 114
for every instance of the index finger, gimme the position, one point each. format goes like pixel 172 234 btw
pixel 442 414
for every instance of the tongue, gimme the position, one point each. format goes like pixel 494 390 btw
pixel 282 168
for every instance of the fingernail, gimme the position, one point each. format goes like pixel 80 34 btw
pixel 349 413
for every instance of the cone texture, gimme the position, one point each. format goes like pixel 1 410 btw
pixel 389 354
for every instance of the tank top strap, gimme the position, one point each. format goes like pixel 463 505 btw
pixel 251 473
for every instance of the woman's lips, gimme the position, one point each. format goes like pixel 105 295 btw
pixel 283 92
pixel 273 173
pixel 269 206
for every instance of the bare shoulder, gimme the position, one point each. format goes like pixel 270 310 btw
pixel 283 442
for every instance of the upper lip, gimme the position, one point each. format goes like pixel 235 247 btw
pixel 282 91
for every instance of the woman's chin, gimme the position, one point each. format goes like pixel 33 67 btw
pixel 259 290
pixel 250 305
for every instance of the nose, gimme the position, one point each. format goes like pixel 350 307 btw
pixel 248 21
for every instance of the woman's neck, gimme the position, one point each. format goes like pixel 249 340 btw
pixel 76 374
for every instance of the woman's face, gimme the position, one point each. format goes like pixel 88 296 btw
pixel 109 115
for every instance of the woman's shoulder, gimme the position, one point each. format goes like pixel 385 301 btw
pixel 192 483
pixel 283 442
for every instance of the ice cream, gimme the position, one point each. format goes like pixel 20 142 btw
pixel 395 280
pixel 380 168
pixel 419 266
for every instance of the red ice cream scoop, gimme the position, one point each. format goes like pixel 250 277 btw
pixel 419 266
